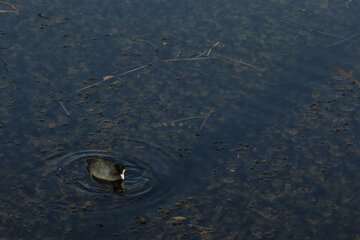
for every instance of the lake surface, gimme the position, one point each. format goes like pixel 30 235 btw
pixel 234 119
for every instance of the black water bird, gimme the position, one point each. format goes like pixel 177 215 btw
pixel 105 169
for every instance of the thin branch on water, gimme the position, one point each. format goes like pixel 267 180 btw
pixel 12 6
pixel 186 59
pixel 332 35
pixel 63 107
pixel 8 11
pixel 49 19
pixel 201 54
pixel 353 42
pixel 165 60
pixel 132 70
pixel 107 78
pixel 146 41
pixel 207 52
pixel 343 40
pixel 346 74
pixel 89 86
pixel 207 117
pixel 241 62
pixel 309 29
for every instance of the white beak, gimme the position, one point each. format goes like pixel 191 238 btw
pixel 123 175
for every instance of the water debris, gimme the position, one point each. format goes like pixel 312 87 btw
pixel 206 118
pixel 179 218
pixel 109 77
pixel 343 40
pixel 349 39
pixel 242 62
pixel 184 119
pixel 9 11
pixel 166 60
pixel 346 74
pixel 332 35
pixel 49 19
pixel 186 59
pixel 148 42
pixel 311 29
pixel 208 51
pixel 63 107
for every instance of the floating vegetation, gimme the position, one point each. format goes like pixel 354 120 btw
pixel 49 19
pixel 348 75
pixel 229 118
pixel 198 58
pixel 16 10
pixel 111 76
pixel 63 107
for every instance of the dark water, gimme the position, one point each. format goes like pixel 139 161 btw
pixel 254 134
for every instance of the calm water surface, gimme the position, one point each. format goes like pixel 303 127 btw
pixel 235 119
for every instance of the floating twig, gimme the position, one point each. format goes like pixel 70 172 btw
pixel 111 76
pixel 332 35
pixel 201 54
pixel 49 19
pixel 348 75
pixel 208 51
pixel 343 40
pixel 310 29
pixel 353 42
pixel 132 70
pixel 241 62
pixel 12 6
pixel 186 59
pixel 146 41
pixel 206 118
pixel 8 11
pixel 63 107
pixel 89 86
pixel 185 119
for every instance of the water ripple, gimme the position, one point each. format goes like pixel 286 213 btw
pixel 61 180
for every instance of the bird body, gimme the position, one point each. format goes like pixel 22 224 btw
pixel 105 169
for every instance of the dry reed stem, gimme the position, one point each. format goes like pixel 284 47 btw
pixel 63 107
pixel 12 6
pixel 241 62
pixel 186 59
pixel 343 40
pixel 207 117
pixel 106 78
